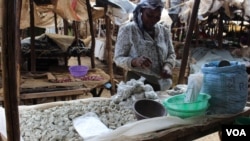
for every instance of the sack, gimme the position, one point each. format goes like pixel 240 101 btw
pixel 227 85
pixel 165 84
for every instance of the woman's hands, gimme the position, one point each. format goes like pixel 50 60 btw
pixel 142 61
pixel 166 72
pixel 145 62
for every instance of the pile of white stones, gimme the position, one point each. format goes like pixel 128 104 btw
pixel 56 123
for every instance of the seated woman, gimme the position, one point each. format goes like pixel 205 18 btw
pixel 144 47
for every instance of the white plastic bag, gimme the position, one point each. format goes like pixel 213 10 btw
pixel 89 125
pixel 3 129
pixel 143 127
pixel 194 87
pixel 165 84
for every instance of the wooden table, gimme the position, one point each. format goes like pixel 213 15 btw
pixel 34 89
pixel 54 94
pixel 190 132
pixel 204 126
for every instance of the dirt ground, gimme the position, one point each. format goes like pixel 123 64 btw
pixel 210 137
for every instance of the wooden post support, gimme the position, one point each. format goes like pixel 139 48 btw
pixel 65 27
pixel 220 32
pixel 109 50
pixel 11 67
pixel 188 40
pixel 92 57
pixel 197 34
pixel 248 39
pixel 32 38
pixel 55 20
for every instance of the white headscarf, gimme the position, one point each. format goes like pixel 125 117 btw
pixel 151 3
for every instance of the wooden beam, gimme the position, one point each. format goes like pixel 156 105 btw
pixel 32 38
pixel 80 91
pixel 10 55
pixel 109 50
pixel 248 39
pixel 65 27
pixel 55 20
pixel 76 40
pixel 188 40
pixel 195 131
pixel 221 26
pixel 92 57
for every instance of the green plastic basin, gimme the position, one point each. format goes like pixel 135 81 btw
pixel 176 106
pixel 242 121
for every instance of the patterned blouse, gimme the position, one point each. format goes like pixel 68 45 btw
pixel 132 42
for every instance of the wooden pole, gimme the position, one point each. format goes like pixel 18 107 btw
pixel 10 55
pixel 92 57
pixel 65 27
pixel 241 30
pixel 188 40
pixel 197 34
pixel 109 50
pixel 32 38
pixel 248 31
pixel 220 30
pixel 55 20
pixel 76 40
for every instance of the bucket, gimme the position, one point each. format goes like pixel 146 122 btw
pixel 146 108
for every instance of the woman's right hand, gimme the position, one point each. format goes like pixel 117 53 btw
pixel 142 61
pixel 166 72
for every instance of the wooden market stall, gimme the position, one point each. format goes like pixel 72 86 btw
pixel 209 24
pixel 11 67
pixel 171 128
pixel 11 85
pixel 65 42
pixel 90 18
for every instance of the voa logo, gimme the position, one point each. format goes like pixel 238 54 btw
pixel 236 132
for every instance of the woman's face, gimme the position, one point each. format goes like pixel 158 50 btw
pixel 150 17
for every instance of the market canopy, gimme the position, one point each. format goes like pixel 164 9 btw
pixel 72 10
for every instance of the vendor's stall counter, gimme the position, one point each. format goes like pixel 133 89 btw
pixel 60 86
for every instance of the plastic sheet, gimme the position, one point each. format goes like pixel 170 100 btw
pixel 89 125
pixel 142 127
pixel 3 130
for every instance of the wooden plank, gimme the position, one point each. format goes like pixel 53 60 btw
pixel 54 94
pixel 11 55
pixel 109 50
pixel 188 41
pixel 32 38
pixel 190 132
pixel 91 27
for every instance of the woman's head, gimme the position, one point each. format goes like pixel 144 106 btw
pixel 150 17
pixel 148 12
